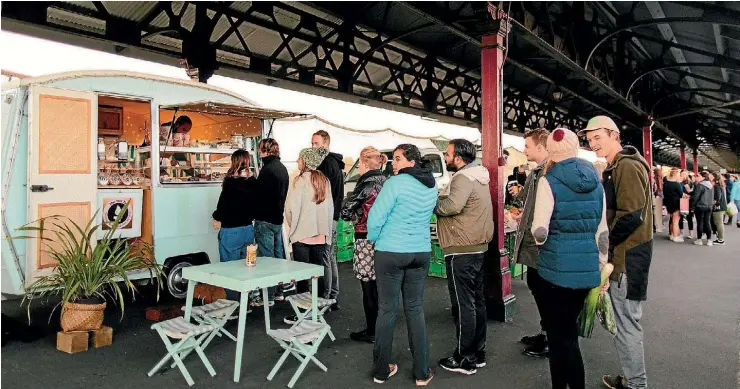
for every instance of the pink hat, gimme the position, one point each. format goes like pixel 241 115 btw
pixel 562 144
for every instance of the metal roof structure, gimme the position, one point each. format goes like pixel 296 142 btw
pixel 677 62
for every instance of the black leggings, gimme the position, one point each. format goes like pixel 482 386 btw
pixel 703 223
pixel 689 218
pixel 308 253
pixel 370 303
pixel 562 307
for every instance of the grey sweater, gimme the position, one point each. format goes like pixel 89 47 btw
pixel 304 217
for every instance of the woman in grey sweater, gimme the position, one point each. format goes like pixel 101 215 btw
pixel 309 211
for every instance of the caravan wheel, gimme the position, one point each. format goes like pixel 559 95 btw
pixel 176 285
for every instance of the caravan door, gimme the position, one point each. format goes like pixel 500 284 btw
pixel 62 166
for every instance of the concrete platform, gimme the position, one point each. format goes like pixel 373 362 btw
pixel 691 322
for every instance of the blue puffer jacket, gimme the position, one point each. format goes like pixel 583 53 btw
pixel 570 256
pixel 399 220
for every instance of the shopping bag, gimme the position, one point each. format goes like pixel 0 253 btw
pixel 731 209
pixel 684 206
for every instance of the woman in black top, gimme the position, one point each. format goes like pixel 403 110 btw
pixel 235 212
pixel 672 194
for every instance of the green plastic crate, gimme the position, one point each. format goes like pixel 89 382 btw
pixel 345 255
pixel 438 270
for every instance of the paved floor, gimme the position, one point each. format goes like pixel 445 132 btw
pixel 691 322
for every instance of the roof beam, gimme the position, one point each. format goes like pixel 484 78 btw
pixel 721 51
pixel 656 11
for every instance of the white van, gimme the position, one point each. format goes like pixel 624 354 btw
pixel 432 158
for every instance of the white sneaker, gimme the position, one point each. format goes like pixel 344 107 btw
pixel 698 242
pixel 678 239
pixel 710 243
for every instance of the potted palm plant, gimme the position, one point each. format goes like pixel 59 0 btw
pixel 89 270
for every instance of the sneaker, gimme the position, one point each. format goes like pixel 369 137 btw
pixel 279 297
pixel 537 351
pixel 426 381
pixel 719 242
pixel 462 366
pixel 531 340
pixel 393 370
pixel 614 382
pixel 290 319
pixel 290 287
pixel 698 242
pixel 362 336
pixel 480 359
pixel 709 243
pixel 678 239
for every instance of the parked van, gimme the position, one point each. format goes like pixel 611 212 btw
pixel 84 142
pixel 432 158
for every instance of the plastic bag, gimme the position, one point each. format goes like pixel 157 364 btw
pixel 731 209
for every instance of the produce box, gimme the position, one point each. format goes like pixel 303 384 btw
pixel 438 270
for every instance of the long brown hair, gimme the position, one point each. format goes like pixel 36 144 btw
pixel 718 180
pixel 319 182
pixel 239 163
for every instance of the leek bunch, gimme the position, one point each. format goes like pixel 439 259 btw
pixel 598 305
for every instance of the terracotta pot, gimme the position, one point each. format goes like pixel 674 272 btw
pixel 82 317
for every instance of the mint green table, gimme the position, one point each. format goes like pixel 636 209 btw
pixel 236 275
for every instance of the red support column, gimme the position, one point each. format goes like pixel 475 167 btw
pixel 683 157
pixel 647 146
pixel 500 302
pixel 696 163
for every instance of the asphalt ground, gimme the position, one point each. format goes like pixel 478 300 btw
pixel 691 322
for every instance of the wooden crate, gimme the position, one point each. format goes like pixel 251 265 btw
pixel 164 312
pixel 78 341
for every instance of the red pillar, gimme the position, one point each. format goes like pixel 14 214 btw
pixel 696 163
pixel 647 146
pixel 683 157
pixel 500 302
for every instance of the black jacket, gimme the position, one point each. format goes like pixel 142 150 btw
pixel 702 198
pixel 367 188
pixel 236 203
pixel 333 169
pixel 272 189
pixel 720 199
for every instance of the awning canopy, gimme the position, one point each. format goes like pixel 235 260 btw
pixel 207 107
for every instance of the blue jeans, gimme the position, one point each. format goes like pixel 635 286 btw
pixel 269 244
pixel 232 246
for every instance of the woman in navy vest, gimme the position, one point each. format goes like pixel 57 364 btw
pixel 570 228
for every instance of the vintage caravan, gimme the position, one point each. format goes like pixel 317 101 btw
pixel 84 142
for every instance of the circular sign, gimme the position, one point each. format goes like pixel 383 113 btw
pixel 112 211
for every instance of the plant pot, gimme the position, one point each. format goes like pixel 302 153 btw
pixel 82 317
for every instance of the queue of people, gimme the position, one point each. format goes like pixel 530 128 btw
pixel 574 220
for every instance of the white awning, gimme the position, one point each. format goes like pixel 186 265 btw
pixel 228 109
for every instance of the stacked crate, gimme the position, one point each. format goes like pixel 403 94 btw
pixel 437 267
pixel 345 241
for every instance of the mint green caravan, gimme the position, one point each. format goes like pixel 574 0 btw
pixel 80 144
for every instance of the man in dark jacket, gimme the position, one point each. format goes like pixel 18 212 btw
pixel 333 169
pixel 629 215
pixel 272 190
pixel 525 249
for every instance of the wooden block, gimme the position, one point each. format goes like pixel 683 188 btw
pixel 72 342
pixel 161 313
pixel 103 337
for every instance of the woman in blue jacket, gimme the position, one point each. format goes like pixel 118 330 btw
pixel 570 227
pixel 398 224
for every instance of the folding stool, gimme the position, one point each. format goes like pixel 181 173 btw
pixel 303 301
pixel 295 341
pixel 216 313
pixel 191 336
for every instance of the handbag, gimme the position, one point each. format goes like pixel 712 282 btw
pixel 731 209
pixel 684 206
pixel 363 260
